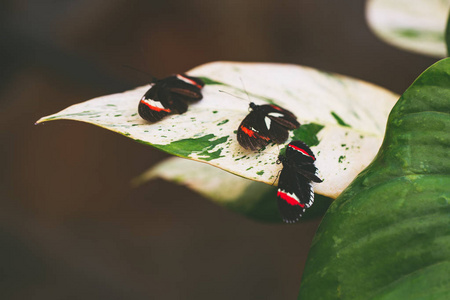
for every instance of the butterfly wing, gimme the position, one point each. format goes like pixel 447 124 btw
pixel 302 158
pixel 187 87
pixel 150 107
pixel 299 153
pixel 281 116
pixel 275 122
pixel 258 128
pixel 177 102
pixel 309 172
pixel 191 80
pixel 295 192
pixel 294 195
pixel 276 132
pixel 169 95
pixel 251 132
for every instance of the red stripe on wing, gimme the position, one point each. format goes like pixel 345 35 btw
pixel 252 133
pixel 155 108
pixel 302 151
pixel 289 199
pixel 190 81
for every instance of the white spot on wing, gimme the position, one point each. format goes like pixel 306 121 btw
pixel 275 114
pixel 153 103
pixel 268 121
pixel 311 197
pixel 187 80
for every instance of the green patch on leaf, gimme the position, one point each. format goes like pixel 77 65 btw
pixel 209 81
pixel 205 155
pixel 200 146
pixel 308 133
pixel 416 26
pixel 339 119
pixel 222 122
pixel 419 34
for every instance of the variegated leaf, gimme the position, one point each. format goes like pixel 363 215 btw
pixel 413 25
pixel 343 120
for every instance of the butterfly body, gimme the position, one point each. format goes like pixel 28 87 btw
pixel 264 124
pixel 170 95
pixel 295 193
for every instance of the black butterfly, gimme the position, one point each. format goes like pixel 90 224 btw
pixel 170 95
pixel 295 192
pixel 265 123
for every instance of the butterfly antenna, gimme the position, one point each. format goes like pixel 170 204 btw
pixel 278 162
pixel 153 79
pixel 245 90
pixel 222 91
pixel 276 178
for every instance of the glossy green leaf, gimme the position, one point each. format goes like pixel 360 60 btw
pixel 387 236
pixel 413 25
pixel 253 199
pixel 343 119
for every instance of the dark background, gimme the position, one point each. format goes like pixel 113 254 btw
pixel 71 227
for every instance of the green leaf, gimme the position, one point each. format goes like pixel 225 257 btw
pixel 250 198
pixel 387 236
pixel 413 25
pixel 343 119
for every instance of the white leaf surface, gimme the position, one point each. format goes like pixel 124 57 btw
pixel 343 120
pixel 413 25
pixel 223 187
